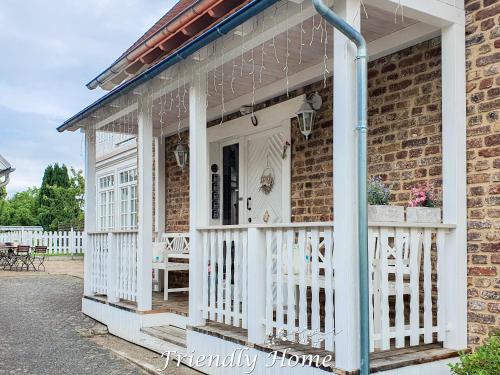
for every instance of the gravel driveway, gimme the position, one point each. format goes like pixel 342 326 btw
pixel 40 329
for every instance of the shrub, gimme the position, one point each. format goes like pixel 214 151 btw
pixel 484 361
pixel 378 192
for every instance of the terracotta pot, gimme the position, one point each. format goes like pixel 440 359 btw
pixel 380 213
pixel 423 214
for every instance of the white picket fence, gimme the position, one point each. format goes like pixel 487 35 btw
pixel 63 242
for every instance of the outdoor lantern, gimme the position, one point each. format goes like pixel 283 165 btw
pixel 181 155
pixel 305 115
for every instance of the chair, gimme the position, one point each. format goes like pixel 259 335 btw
pixel 22 257
pixel 171 254
pixel 39 254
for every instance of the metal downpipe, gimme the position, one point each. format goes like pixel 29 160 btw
pixel 361 129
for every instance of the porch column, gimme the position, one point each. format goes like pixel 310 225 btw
pixel 160 185
pixel 345 188
pixel 145 206
pixel 198 195
pixel 454 184
pixel 90 202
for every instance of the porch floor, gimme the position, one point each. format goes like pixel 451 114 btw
pixel 379 361
pixel 178 303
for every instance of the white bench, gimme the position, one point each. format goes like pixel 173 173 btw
pixel 171 254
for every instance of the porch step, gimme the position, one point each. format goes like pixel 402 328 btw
pixel 171 334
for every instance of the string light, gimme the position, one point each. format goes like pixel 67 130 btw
pixel 302 32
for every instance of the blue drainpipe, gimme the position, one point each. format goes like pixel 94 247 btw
pixel 361 129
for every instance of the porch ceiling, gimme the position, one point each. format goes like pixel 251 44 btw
pixel 262 77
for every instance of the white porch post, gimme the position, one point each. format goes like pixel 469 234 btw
pixel 344 187
pixel 160 185
pixel 145 206
pixel 198 196
pixel 454 184
pixel 90 203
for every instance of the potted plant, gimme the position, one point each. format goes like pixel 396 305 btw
pixel 379 209
pixel 422 206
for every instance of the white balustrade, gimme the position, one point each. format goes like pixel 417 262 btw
pixel 406 284
pixel 225 257
pixel 113 264
pixel 407 288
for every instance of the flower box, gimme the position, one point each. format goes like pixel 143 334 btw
pixel 423 214
pixel 386 213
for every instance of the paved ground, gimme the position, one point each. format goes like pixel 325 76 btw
pixel 42 330
pixel 57 265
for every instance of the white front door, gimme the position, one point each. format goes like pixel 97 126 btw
pixel 267 189
pixel 242 161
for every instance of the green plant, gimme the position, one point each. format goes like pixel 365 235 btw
pixel 378 192
pixel 484 361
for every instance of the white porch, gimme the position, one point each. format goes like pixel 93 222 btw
pixel 247 283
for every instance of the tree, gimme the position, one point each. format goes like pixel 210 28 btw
pixel 63 205
pixel 3 193
pixel 54 177
pixel 21 209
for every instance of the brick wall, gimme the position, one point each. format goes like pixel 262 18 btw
pixel 404 119
pixel 483 166
pixel 177 188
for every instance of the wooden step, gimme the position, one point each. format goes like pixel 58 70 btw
pixel 171 334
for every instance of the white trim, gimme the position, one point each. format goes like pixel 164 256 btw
pixel 401 39
pixel 433 12
pixel 454 138
pixel 345 197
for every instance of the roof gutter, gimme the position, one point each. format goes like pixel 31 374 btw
pixel 361 129
pixel 225 26
pixel 171 28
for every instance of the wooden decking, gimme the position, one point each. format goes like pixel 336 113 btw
pixel 177 303
pixel 380 361
pixel 171 334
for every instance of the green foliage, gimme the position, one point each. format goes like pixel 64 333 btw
pixel 21 209
pixel 378 192
pixel 58 202
pixel 484 361
pixel 63 204
pixel 3 193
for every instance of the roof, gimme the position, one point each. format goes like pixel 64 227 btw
pixel 4 165
pixel 181 24
pixel 225 16
pixel 178 8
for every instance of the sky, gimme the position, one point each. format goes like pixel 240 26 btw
pixel 49 51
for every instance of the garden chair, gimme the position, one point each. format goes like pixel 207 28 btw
pixel 22 257
pixel 39 254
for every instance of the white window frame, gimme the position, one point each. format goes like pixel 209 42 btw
pixel 106 202
pixel 128 207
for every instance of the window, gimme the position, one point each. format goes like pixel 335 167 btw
pixel 128 199
pixel 106 202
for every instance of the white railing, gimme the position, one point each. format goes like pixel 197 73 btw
pixel 406 284
pixel 289 269
pixel 112 264
pixel 63 242
pixel 299 269
pixel 97 253
pixel 125 263
pixel 225 276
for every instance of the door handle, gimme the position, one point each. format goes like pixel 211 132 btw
pixel 249 199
